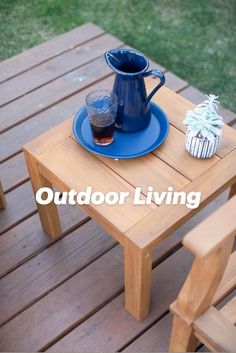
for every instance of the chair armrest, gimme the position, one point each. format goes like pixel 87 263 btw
pixel 213 231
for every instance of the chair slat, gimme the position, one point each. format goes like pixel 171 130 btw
pixel 229 310
pixel 216 331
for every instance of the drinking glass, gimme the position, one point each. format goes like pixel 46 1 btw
pixel 102 107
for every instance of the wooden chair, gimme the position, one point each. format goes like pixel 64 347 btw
pixel 2 197
pixel 211 278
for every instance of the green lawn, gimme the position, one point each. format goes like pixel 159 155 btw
pixel 195 39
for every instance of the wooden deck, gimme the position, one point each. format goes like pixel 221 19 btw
pixel 67 295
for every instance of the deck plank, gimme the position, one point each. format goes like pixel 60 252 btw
pixel 55 91
pixel 52 267
pixel 45 51
pixel 65 306
pixel 14 172
pixel 174 82
pixel 80 296
pixel 55 68
pixel 195 96
pixel 97 332
pixel 20 205
pixel 13 139
pixel 156 339
pixel 28 238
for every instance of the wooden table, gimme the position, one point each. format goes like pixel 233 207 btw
pixel 55 159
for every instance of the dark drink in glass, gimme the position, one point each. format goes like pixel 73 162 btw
pixel 101 107
pixel 103 135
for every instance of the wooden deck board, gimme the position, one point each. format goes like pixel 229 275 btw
pixel 13 170
pixel 156 339
pixel 195 96
pixel 97 333
pixel 174 82
pixel 47 50
pixel 51 267
pixel 55 68
pixel 70 303
pixel 27 239
pixel 55 91
pixel 20 205
pixel 66 294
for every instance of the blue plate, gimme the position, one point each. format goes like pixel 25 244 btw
pixel 125 145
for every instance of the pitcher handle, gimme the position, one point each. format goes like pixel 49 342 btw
pixel 158 74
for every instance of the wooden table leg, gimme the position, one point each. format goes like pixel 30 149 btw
pixel 232 190
pixel 138 270
pixel 48 213
pixel 2 197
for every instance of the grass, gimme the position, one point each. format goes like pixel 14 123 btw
pixel 193 39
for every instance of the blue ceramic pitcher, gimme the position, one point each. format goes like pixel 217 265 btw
pixel 133 113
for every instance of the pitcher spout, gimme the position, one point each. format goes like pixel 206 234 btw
pixel 126 62
pixel 112 61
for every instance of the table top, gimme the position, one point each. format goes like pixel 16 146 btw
pixel 66 164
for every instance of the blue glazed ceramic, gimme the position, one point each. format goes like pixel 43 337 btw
pixel 125 145
pixel 133 112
